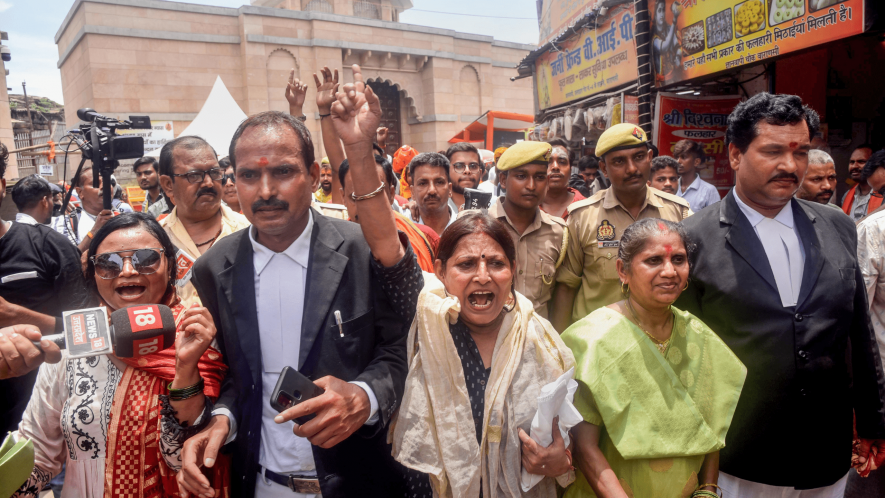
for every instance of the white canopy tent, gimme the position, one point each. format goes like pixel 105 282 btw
pixel 217 121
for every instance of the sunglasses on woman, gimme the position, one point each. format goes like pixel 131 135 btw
pixel 109 265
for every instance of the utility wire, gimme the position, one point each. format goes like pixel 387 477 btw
pixel 473 15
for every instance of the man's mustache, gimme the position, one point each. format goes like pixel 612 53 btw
pixel 785 176
pixel 272 203
pixel 631 177
pixel 207 191
pixel 431 197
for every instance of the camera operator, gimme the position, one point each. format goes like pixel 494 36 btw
pixel 40 277
pixel 92 214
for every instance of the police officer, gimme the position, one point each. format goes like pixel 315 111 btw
pixel 540 238
pixel 588 279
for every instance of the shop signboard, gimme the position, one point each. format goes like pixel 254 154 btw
pixel 597 60
pixel 555 15
pixel 692 38
pixel 702 119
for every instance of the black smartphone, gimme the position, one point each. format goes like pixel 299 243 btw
pixel 293 388
pixel 477 199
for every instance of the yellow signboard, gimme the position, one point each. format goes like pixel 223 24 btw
pixel 692 38
pixel 596 60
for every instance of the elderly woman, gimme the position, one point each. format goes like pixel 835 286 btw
pixel 478 354
pixel 120 422
pixel 657 387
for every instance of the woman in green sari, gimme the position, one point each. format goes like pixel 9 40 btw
pixel 657 387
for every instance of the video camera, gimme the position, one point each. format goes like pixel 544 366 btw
pixel 99 142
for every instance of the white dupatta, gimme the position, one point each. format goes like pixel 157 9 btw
pixel 434 431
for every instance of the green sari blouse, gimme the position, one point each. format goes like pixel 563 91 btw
pixel 660 416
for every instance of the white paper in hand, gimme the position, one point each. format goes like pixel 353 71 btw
pixel 555 400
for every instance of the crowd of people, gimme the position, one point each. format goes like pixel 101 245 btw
pixel 712 346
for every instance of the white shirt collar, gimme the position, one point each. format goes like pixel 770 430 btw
pixel 784 217
pixel 298 251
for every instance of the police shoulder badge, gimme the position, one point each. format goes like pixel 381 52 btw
pixel 606 231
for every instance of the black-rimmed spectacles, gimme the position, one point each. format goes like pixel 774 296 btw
pixel 197 176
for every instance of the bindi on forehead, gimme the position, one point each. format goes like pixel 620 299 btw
pixel 263 161
pixel 793 145
pixel 669 249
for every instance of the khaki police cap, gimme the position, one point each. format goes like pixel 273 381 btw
pixel 524 153
pixel 620 136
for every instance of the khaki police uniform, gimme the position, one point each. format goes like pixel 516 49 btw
pixel 595 226
pixel 331 210
pixel 539 251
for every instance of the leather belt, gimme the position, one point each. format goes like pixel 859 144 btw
pixel 297 483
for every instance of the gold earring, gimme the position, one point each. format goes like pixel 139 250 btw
pixel 625 289
pixel 686 286
pixel 510 304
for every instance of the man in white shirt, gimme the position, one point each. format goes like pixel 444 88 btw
pixel 697 192
pixel 778 280
pixel 296 290
pixel 91 215
pixel 871 258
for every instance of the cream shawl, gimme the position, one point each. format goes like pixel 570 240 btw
pixel 434 431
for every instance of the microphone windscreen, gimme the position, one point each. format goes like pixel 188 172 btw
pixel 142 329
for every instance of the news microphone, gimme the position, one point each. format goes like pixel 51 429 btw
pixel 134 331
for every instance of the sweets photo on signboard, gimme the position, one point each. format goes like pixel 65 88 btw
pixel 781 11
pixel 693 38
pixel 719 28
pixel 749 17
pixel 816 5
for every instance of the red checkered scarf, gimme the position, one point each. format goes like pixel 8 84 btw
pixel 134 466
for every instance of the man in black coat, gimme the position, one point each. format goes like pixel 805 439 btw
pixel 319 311
pixel 777 278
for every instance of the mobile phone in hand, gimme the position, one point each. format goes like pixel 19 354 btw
pixel 293 388
pixel 476 199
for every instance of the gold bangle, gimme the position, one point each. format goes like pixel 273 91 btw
pixel 369 195
pixel 89 234
pixel 703 493
pixel 711 485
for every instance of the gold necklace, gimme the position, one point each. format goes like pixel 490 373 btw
pixel 661 345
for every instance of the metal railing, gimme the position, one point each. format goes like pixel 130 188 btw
pixel 27 164
pixel 319 6
pixel 366 10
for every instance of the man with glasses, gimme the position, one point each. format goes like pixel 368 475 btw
pixel 191 176
pixel 588 278
pixel 466 170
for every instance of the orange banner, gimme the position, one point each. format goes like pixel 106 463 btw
pixel 692 38
pixel 702 119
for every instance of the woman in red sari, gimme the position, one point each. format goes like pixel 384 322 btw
pixel 118 424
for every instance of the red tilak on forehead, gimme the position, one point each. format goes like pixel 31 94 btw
pixel 263 161
pixel 669 249
pixel 793 145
